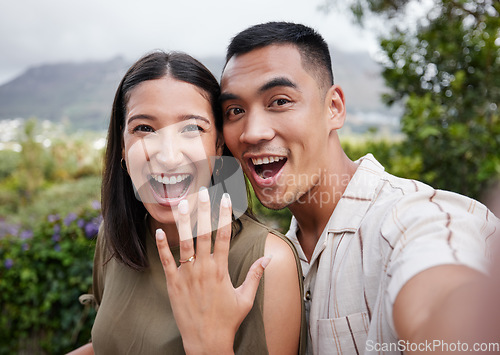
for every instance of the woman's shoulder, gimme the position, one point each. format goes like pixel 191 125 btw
pixel 251 223
pixel 274 240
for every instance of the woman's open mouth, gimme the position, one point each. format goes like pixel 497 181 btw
pixel 170 187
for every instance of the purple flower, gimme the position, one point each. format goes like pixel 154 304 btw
pixel 26 247
pixel 8 263
pixel 57 229
pixel 96 205
pixel 70 218
pixel 91 229
pixel 57 247
pixel 56 238
pixel 26 234
pixel 53 218
pixel 12 229
pixel 8 229
pixel 80 223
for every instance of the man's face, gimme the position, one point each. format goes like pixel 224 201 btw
pixel 276 123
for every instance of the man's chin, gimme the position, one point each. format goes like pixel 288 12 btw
pixel 273 202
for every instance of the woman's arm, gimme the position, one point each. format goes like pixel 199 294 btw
pixel 282 302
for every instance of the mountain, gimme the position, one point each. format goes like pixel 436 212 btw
pixel 81 94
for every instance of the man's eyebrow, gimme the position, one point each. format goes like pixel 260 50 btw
pixel 276 82
pixel 225 96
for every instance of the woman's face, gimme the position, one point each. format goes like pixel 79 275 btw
pixel 169 137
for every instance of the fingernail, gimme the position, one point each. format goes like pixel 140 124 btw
pixel 159 234
pixel 203 194
pixel 183 207
pixel 266 261
pixel 226 200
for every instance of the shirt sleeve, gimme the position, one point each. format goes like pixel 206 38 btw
pixel 431 229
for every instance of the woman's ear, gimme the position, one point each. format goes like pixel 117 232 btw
pixel 219 144
pixel 335 103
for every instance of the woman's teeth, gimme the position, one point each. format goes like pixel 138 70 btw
pixel 170 180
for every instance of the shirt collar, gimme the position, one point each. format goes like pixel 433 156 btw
pixel 357 197
pixel 352 206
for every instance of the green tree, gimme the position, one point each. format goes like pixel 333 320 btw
pixel 29 174
pixel 446 71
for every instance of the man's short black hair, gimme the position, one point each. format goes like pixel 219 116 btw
pixel 311 45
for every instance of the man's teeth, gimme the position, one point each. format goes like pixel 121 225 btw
pixel 170 180
pixel 266 160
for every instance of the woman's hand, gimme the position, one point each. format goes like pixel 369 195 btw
pixel 207 308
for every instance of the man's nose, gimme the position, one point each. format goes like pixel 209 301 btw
pixel 258 128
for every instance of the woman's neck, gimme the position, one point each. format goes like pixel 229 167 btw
pixel 170 230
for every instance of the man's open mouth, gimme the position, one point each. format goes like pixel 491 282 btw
pixel 267 167
pixel 170 186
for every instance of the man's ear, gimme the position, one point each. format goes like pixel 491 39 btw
pixel 335 105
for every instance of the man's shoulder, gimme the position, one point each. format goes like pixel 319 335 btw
pixel 408 200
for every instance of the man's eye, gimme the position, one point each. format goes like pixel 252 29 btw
pixel 281 102
pixel 143 128
pixel 235 111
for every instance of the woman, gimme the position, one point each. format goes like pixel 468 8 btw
pixel 165 127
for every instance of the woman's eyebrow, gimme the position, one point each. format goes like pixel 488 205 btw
pixel 140 116
pixel 195 117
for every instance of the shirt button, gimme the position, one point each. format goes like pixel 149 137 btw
pixel 308 295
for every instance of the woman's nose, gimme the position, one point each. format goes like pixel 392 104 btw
pixel 167 150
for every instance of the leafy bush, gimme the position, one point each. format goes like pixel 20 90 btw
pixel 390 154
pixel 10 162
pixel 42 273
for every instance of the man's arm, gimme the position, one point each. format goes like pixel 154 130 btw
pixel 439 304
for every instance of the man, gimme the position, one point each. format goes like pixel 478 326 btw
pixel 389 264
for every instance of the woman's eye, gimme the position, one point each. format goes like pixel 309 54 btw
pixel 143 128
pixel 192 128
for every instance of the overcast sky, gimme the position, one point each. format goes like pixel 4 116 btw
pixel 33 32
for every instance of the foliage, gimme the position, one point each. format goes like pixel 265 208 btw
pixel 50 174
pixel 388 153
pixel 447 72
pixel 43 272
pixel 49 213
pixel 276 219
pixel 10 162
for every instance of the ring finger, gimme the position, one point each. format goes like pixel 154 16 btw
pixel 185 234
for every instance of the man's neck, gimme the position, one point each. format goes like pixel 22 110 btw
pixel 314 210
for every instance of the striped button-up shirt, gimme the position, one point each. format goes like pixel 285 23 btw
pixel 383 231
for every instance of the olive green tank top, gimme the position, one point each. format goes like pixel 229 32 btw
pixel 135 316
